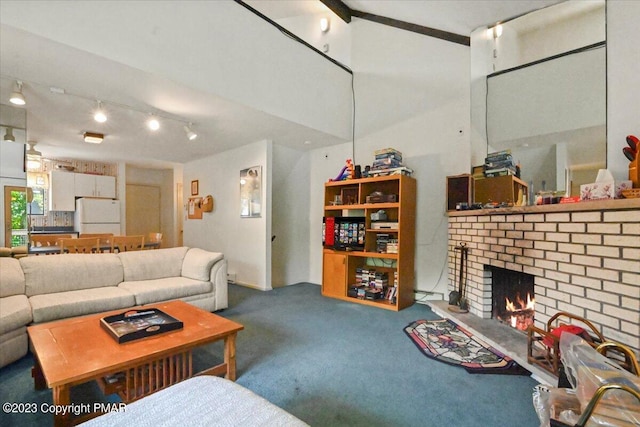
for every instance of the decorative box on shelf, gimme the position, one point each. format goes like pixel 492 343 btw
pixel 604 190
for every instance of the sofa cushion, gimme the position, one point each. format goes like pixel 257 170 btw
pixel 47 274
pixel 197 263
pixel 150 291
pixel 77 303
pixel 11 277
pixel 15 312
pixel 152 264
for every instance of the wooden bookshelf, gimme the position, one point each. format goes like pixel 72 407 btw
pixel 340 266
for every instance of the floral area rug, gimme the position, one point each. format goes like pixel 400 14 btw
pixel 447 342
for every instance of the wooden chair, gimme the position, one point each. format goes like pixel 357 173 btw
pixel 85 245
pixel 47 239
pixel 105 239
pixel 127 243
pixel 155 238
pixel 543 345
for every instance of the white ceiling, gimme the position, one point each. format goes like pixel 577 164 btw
pixel 57 121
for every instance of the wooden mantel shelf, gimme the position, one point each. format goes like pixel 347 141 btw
pixel 597 205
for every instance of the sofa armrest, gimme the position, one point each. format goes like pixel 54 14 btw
pixel 220 286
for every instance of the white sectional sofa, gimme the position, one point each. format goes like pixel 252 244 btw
pixel 43 288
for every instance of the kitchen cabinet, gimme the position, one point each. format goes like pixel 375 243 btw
pixel 87 185
pixel 62 191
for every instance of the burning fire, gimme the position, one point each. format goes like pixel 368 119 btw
pixel 520 309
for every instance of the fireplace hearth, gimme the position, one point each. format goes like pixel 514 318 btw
pixel 512 295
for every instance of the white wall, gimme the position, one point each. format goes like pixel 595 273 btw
pixel 412 94
pixel 163 179
pixel 11 173
pixel 623 81
pixel 337 39
pixel 290 223
pixel 245 242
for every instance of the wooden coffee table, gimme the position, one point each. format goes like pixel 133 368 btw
pixel 77 350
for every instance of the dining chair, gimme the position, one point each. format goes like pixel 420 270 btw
pixel 127 243
pixel 155 238
pixel 104 240
pixel 38 240
pixel 84 245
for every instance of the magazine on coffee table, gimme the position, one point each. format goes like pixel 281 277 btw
pixel 136 324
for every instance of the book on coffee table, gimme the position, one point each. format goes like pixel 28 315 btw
pixel 136 324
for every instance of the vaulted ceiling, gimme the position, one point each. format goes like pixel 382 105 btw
pixel 56 121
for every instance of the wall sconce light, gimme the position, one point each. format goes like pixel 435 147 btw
pixel 34 157
pixel 496 31
pixel 93 137
pixel 17 98
pixel 325 24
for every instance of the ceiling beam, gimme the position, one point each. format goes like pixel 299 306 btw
pixel 339 8
pixel 403 25
pixel 345 13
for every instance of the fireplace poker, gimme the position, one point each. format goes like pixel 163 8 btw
pixel 457 298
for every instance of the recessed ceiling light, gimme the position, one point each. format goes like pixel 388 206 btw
pixel 93 137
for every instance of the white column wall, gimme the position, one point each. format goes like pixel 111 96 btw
pixel 412 94
pixel 243 241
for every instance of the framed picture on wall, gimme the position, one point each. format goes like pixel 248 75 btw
pixel 251 192
pixel 194 187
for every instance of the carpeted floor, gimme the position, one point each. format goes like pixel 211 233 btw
pixel 332 363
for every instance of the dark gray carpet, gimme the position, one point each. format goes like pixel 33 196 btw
pixel 332 363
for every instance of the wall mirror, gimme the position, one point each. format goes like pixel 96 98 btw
pixel 539 90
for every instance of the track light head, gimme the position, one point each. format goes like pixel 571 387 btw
pixel 17 98
pixel 34 157
pixel 8 135
pixel 191 135
pixel 100 116
pixel 153 123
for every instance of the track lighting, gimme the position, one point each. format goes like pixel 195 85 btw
pixel 153 123
pixel 17 98
pixel 8 135
pixel 100 115
pixel 191 135
pixel 34 157
pixel 93 137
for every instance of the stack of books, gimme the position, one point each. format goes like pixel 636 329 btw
pixel 499 164
pixel 388 161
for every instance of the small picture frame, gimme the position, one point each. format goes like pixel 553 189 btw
pixel 194 187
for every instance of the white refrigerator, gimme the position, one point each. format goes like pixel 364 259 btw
pixel 97 216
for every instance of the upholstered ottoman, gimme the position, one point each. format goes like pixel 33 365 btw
pixel 200 401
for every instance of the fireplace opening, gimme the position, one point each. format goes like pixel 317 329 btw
pixel 512 297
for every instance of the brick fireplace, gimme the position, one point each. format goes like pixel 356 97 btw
pixel 585 259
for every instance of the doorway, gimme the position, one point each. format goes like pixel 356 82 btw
pixel 143 210
pixel 15 216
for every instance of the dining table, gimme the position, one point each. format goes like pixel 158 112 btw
pixel 55 249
